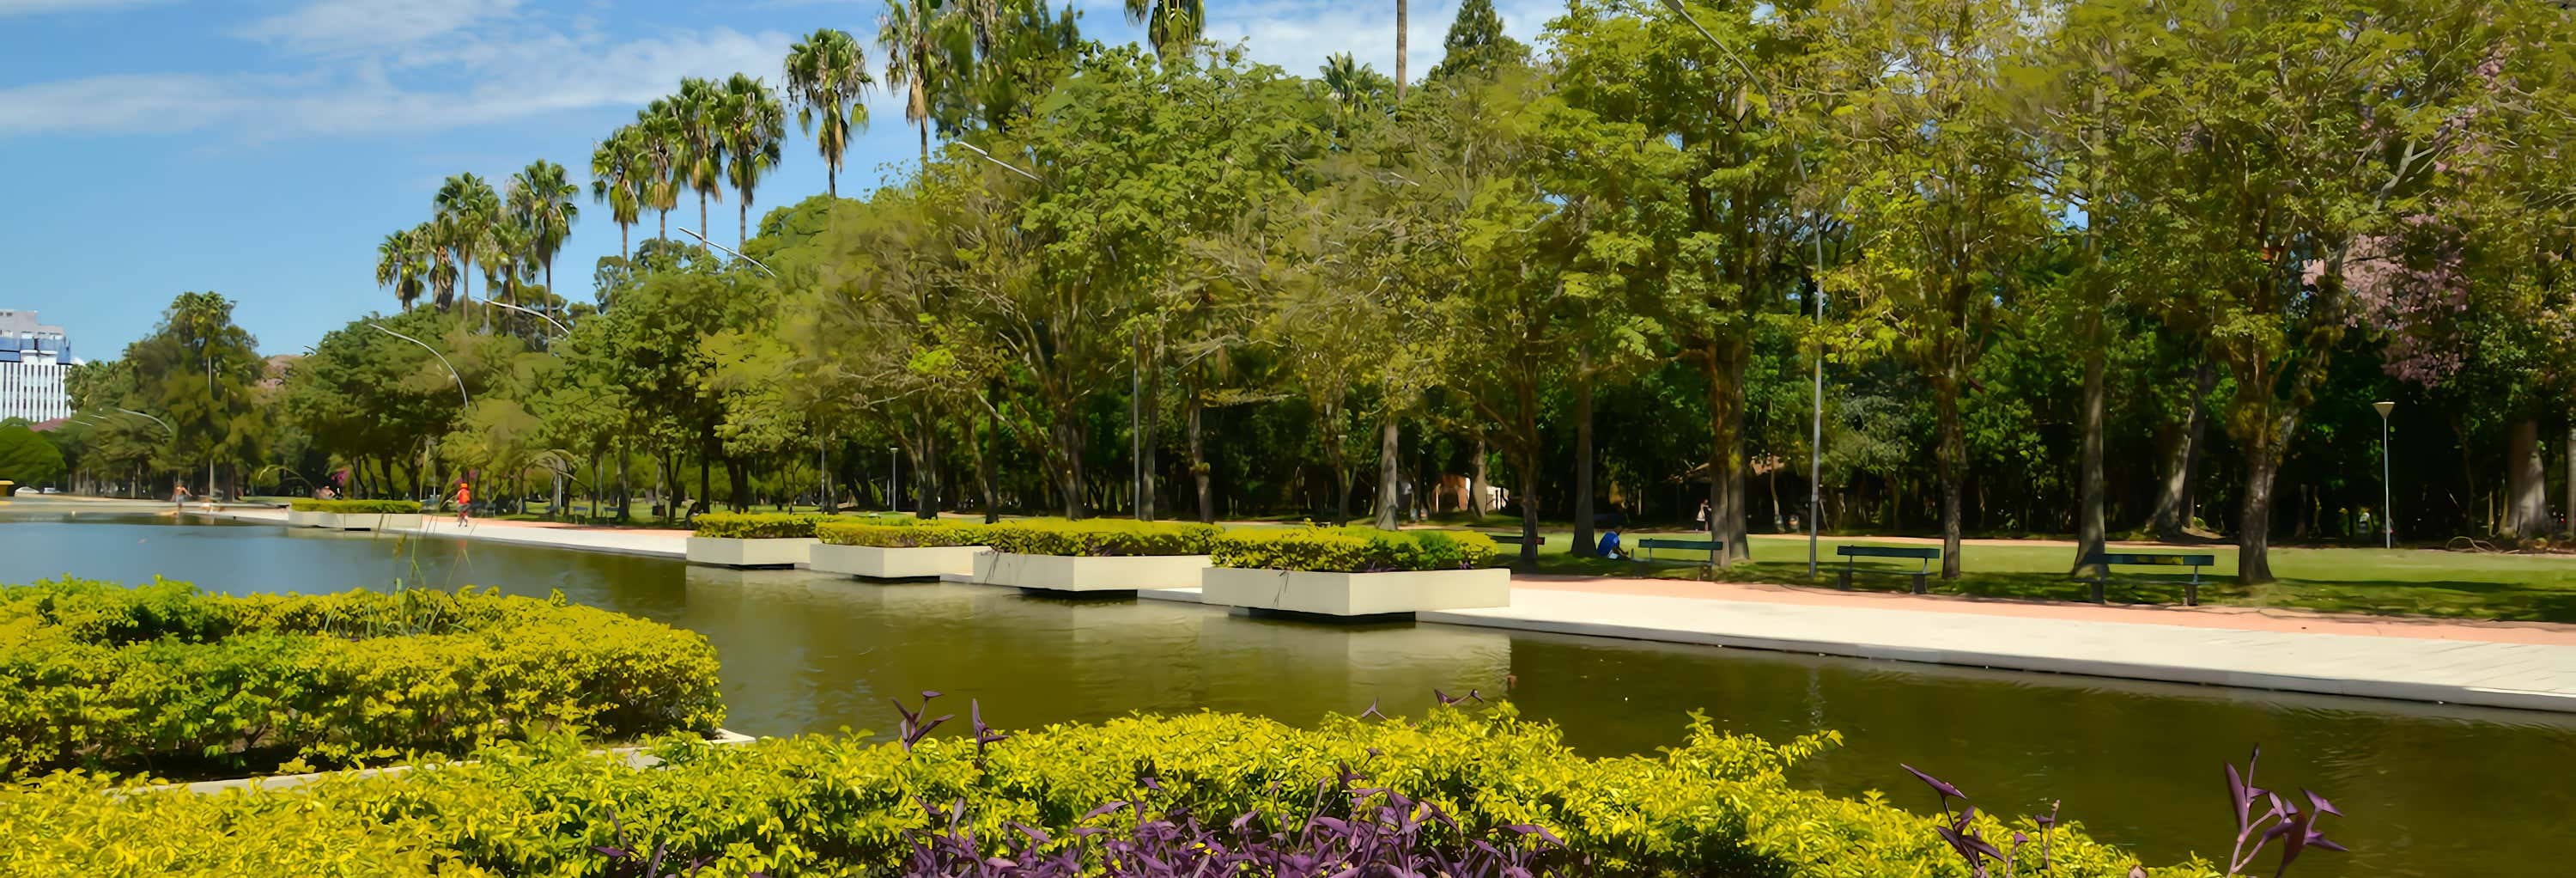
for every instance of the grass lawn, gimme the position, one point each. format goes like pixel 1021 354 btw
pixel 2417 582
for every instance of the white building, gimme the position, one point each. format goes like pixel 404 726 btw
pixel 33 357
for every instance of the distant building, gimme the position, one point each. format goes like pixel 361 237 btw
pixel 33 357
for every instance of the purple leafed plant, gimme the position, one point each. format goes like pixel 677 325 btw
pixel 912 728
pixel 625 860
pixel 2281 819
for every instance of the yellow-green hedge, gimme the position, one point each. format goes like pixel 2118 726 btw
pixel 1715 805
pixel 1099 536
pixel 356 507
pixel 757 525
pixel 900 533
pixel 1350 550
pixel 165 679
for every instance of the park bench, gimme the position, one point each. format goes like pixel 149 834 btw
pixel 2102 562
pixel 1706 547
pixel 1852 554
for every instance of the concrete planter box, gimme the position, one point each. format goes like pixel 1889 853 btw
pixel 1089 574
pixel 307 519
pixel 899 562
pixel 373 520
pixel 730 552
pixel 1356 594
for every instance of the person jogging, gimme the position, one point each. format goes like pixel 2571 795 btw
pixel 464 501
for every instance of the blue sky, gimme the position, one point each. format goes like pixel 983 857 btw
pixel 261 149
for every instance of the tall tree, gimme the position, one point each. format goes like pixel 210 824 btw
pixel 1476 43
pixel 664 149
pixel 618 170
pixel 697 116
pixel 401 265
pixel 827 76
pixel 467 209
pixel 750 124
pixel 912 34
pixel 542 200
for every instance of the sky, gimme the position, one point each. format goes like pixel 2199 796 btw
pixel 262 149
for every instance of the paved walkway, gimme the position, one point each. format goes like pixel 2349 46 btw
pixel 2520 665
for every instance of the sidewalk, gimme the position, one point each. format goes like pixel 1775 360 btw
pixel 2496 664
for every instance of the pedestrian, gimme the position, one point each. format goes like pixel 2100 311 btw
pixel 1705 525
pixel 178 498
pixel 464 501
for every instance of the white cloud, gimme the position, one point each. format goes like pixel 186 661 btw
pixel 148 103
pixel 40 7
pixel 486 75
pixel 353 25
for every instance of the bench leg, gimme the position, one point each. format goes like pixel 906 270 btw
pixel 1843 578
pixel 1918 584
pixel 2191 593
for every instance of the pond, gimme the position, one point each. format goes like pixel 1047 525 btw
pixel 2429 790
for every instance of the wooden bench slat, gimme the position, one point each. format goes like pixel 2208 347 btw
pixel 1918 553
pixel 2108 560
pixel 1887 552
pixel 1702 545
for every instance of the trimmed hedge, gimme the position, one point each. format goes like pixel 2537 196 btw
pixel 910 533
pixel 757 526
pixel 166 679
pixel 1350 550
pixel 356 507
pixel 1099 537
pixel 1715 805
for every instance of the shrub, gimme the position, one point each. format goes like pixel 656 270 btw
pixel 757 526
pixel 1714 805
pixel 912 532
pixel 1099 537
pixel 165 679
pixel 356 507
pixel 1350 550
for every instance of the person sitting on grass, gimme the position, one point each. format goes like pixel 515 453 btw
pixel 1610 546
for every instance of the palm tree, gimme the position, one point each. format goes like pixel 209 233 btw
pixel 695 113
pixel 467 209
pixel 827 74
pixel 429 239
pixel 1403 28
pixel 542 199
pixel 617 170
pixel 751 125
pixel 657 137
pixel 909 35
pixel 1171 27
pixel 400 265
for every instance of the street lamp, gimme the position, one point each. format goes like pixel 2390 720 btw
pixel 2387 495
pixel 442 360
pixel 539 314
pixel 702 239
pixel 894 484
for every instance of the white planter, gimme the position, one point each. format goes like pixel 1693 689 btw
pixel 373 520
pixel 730 552
pixel 1357 594
pixel 307 519
pixel 904 562
pixel 1080 574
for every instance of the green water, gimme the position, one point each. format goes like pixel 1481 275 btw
pixel 2429 790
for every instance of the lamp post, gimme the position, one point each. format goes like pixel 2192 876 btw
pixel 894 484
pixel 2387 494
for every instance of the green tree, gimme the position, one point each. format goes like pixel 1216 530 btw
pixel 827 76
pixel 467 211
pixel 750 125
pixel 402 264
pixel 1171 28
pixel 542 201
pixel 916 37
pixel 26 458
pixel 619 173
pixel 1476 44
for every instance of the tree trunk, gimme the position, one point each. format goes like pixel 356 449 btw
pixel 2174 508
pixel 2254 523
pixel 625 492
pixel 1723 365
pixel 742 224
pixel 1477 484
pixel 983 445
pixel 2090 531
pixel 1198 457
pixel 1953 464
pixel 1388 472
pixel 925 471
pixel 1584 544
pixel 2526 481
pixel 1147 459
pixel 2571 477
pixel 1403 26
pixel 737 472
pixel 1069 467
pixel 1527 492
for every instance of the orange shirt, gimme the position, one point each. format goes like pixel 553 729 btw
pixel 464 495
